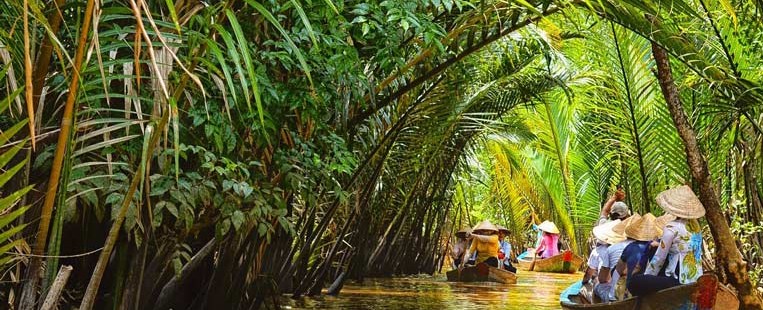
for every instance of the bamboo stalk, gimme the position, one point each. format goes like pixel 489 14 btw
pixel 28 86
pixel 46 51
pixel 57 288
pixel 64 139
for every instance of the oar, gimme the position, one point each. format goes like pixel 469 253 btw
pixel 463 261
pixel 532 264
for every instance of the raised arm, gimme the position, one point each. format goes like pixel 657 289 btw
pixel 619 195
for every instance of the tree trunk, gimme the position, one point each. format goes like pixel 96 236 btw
pixel 732 264
pixel 51 301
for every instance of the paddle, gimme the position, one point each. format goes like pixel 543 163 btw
pixel 463 260
pixel 532 264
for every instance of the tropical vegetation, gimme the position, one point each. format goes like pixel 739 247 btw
pixel 192 154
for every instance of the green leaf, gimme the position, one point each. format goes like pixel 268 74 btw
pixel 177 265
pixel 262 229
pixel 236 58
pixel 8 218
pixel 306 22
pixel 243 45
pixel 9 200
pixel 238 218
pixel 6 102
pixel 173 14
pixel 729 8
pixel 257 6
pixel 8 134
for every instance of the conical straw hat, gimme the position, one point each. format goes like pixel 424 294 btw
pixel 681 202
pixel 643 229
pixel 620 228
pixel 485 225
pixel 605 233
pixel 548 227
pixel 503 229
pixel 664 219
pixel 463 231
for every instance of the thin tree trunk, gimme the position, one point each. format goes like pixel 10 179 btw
pixel 57 288
pixel 733 265
pixel 33 274
pixel 46 51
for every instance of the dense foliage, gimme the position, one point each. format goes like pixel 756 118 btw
pixel 188 154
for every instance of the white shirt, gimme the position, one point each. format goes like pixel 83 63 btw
pixel 612 257
pixel 457 252
pixel 613 254
pixel 594 260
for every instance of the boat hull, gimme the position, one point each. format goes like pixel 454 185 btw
pixel 482 273
pixel 558 263
pixel 691 296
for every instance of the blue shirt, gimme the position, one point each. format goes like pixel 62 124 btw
pixel 635 254
pixel 506 248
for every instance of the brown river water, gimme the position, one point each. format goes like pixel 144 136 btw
pixel 534 290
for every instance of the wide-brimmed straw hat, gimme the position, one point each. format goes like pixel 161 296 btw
pixel 643 229
pixel 662 220
pixel 620 228
pixel 485 226
pixel 461 233
pixel 681 202
pixel 548 227
pixel 605 233
pixel 503 229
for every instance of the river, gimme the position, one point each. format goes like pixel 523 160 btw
pixel 534 290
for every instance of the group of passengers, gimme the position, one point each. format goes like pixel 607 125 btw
pixel 638 255
pixel 485 243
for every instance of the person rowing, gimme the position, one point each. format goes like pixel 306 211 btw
pixel 548 246
pixel 485 243
pixel 460 246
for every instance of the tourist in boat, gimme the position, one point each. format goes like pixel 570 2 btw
pixel 679 252
pixel 642 231
pixel 604 288
pixel 636 255
pixel 485 243
pixel 599 252
pixel 460 246
pixel 548 245
pixel 504 252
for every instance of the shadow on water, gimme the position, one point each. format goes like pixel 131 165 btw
pixel 534 290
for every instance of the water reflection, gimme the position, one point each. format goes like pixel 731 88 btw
pixel 534 290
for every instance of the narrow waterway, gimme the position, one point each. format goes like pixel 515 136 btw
pixel 534 290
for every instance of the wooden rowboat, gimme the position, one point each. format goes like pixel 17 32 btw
pixel 482 273
pixel 566 262
pixel 705 294
pixel 525 259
